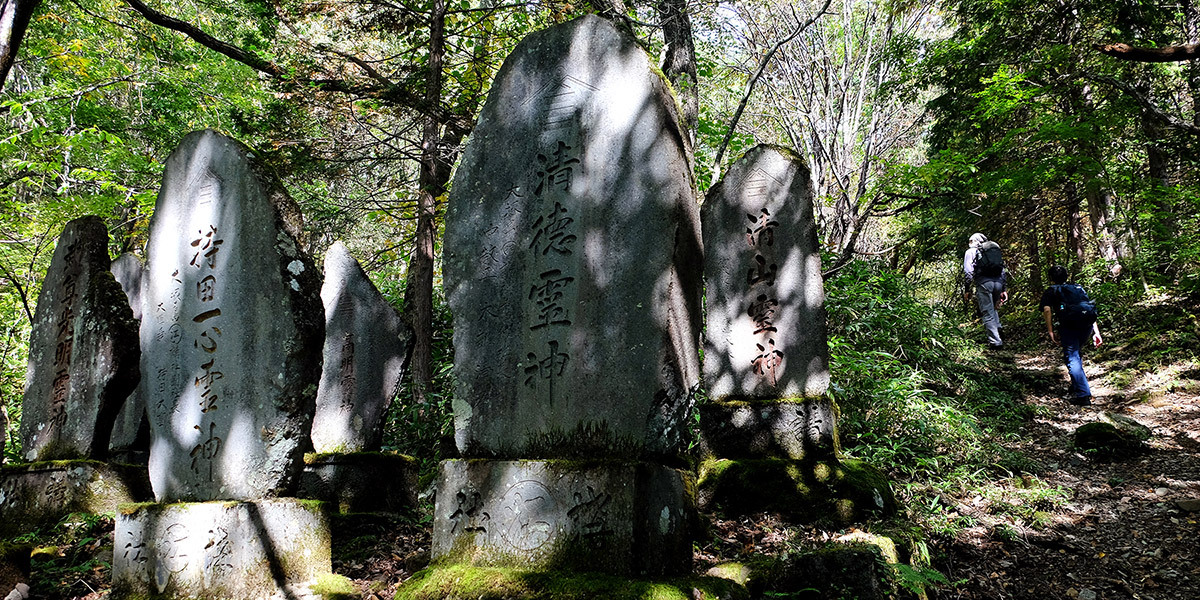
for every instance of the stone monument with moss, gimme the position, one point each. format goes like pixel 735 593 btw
pixel 572 266
pixel 231 338
pixel 769 427
pixel 367 347
pixel 83 363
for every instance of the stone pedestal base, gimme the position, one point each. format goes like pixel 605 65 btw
pixel 42 493
pixel 801 429
pixel 615 517
pixel 841 490
pixel 216 550
pixel 360 481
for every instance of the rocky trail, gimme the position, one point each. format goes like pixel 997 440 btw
pixel 1129 526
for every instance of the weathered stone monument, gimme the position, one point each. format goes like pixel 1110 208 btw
pixel 367 346
pixel 83 353
pixel 572 266
pixel 770 427
pixel 83 362
pixel 231 333
pixel 130 441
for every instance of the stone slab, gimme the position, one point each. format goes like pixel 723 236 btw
pixel 795 430
pixel 360 482
pixel 83 351
pixel 765 335
pixel 367 347
pixel 219 550
pixel 616 517
pixel 573 256
pixel 43 493
pixel 232 328
pixel 130 441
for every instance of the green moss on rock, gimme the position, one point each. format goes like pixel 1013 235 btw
pixel 457 582
pixel 844 491
pixel 334 587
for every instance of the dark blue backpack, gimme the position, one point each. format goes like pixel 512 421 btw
pixel 1075 308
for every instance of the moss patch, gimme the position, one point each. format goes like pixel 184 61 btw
pixel 843 491
pixel 335 587
pixel 459 582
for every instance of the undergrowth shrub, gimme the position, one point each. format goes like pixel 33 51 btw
pixel 917 396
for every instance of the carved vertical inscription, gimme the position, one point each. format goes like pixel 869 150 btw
pixel 552 239
pixel 762 302
pixel 197 289
pixel 64 342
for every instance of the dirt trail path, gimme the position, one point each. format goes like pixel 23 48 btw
pixel 1123 532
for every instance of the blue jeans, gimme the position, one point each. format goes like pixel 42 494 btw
pixel 987 295
pixel 1073 339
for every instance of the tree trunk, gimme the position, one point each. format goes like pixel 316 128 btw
pixel 1191 34
pixel 679 64
pixel 434 173
pixel 1100 211
pixel 1032 248
pixel 14 19
pixel 1074 226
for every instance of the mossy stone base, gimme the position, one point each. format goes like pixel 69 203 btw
pixel 843 491
pixel 622 517
pixel 360 481
pixel 219 550
pixel 795 428
pixel 43 493
pixel 460 582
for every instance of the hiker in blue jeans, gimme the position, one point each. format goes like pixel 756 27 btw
pixel 984 270
pixel 1058 301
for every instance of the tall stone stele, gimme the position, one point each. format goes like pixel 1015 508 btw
pixel 769 426
pixel 572 266
pixel 231 336
pixel 83 352
pixel 367 347
pixel 83 363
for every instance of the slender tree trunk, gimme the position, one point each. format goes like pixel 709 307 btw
pixel 1032 248
pixel 679 64
pixel 1100 211
pixel 434 173
pixel 1074 226
pixel 1191 33
pixel 14 19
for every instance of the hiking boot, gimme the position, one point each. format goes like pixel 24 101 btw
pixel 1081 401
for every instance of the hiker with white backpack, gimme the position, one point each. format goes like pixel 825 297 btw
pixel 984 271
pixel 1076 315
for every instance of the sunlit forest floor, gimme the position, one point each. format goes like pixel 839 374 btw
pixel 1121 532
pixel 1069 525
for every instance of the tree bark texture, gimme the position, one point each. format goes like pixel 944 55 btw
pixel 434 174
pixel 679 64
pixel 14 20
pixel 1032 248
pixel 1074 226
pixel 1100 212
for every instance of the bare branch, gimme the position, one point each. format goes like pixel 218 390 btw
pixel 762 67
pixel 1146 103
